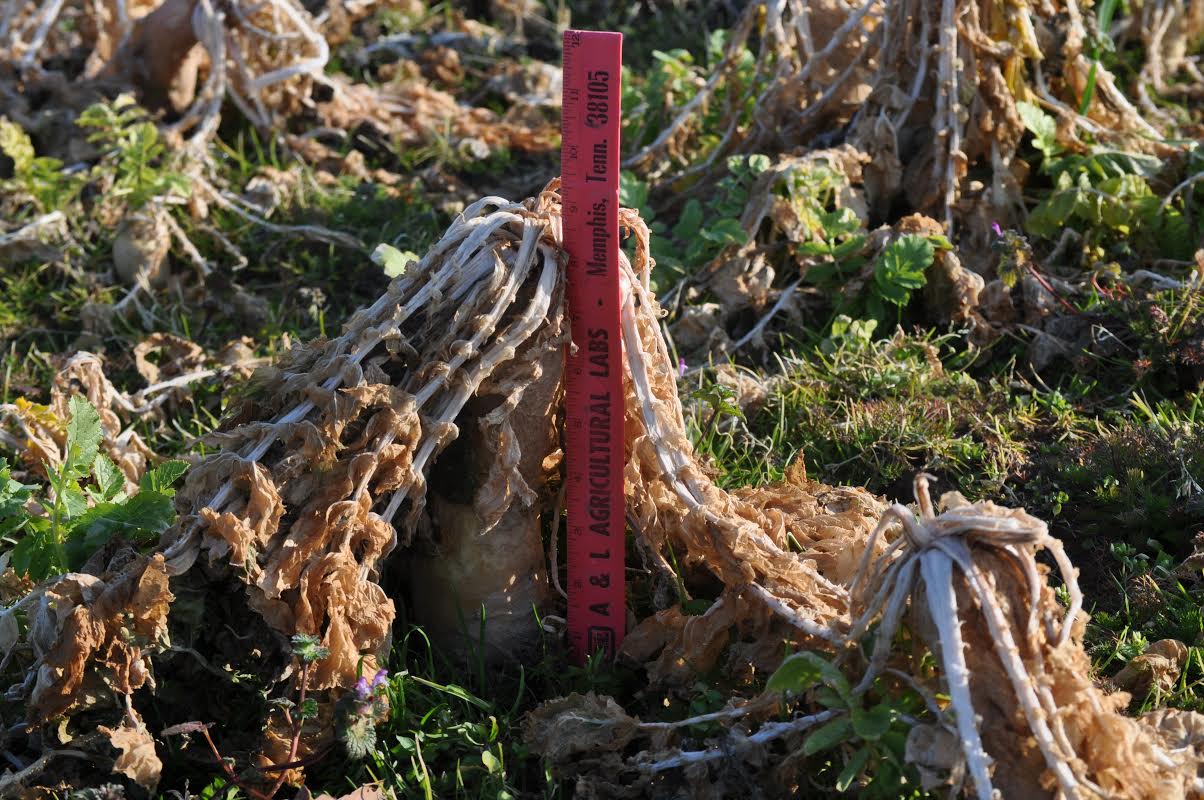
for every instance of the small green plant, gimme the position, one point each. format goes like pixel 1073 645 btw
pixel 702 230
pixel 393 262
pixel 675 78
pixel 837 251
pixel 846 332
pixel 86 504
pixel 442 739
pixel 359 713
pixel 1101 44
pixel 1134 561
pixel 40 177
pixel 867 739
pixel 1105 194
pixel 307 651
pixel 898 272
pixel 720 401
pixel 134 152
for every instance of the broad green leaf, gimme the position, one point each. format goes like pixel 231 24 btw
pixel 35 554
pixel 892 292
pixel 814 249
pixel 828 736
pixel 852 769
pixel 1174 234
pixel 1052 213
pixel 13 494
pixel 392 260
pixel 801 671
pixel 696 250
pixel 823 274
pixel 162 477
pixel 74 501
pixel 872 723
pixel 896 742
pixel 902 265
pixel 1042 126
pixel 690 222
pixel 874 307
pixel 22 554
pixel 633 192
pixel 848 247
pixel 829 698
pixel 109 478
pixel 138 519
pixel 725 231
pixel 83 437
pixel 840 222
pixel 491 763
pixel 758 163
pixel 308 709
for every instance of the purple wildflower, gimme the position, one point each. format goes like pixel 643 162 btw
pixel 681 367
pixel 362 689
pixel 998 230
pixel 381 677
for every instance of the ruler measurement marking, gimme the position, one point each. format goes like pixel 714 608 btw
pixel 594 375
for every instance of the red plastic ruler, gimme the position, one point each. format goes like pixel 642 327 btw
pixel 594 364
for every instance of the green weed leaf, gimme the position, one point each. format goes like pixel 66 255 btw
pixel 633 192
pixel 828 736
pixel 690 222
pixel 72 498
pixel 901 266
pixel 871 724
pixel 840 222
pixel 800 671
pixel 140 519
pixel 13 497
pixel 15 144
pixel 758 163
pixel 307 648
pixel 162 477
pixel 83 437
pixel 392 260
pixel 1042 126
pixel 109 478
pixel 308 709
pixel 852 769
pixel 725 231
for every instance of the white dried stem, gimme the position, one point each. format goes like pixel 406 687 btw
pixel 1009 655
pixel 947 107
pixel 321 234
pixel 937 570
pixel 767 733
pixel 49 14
